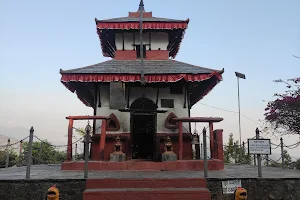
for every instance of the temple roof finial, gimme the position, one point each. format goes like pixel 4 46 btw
pixel 141 6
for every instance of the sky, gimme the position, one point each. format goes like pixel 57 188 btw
pixel 38 38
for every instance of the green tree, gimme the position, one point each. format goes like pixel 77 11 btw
pixel 229 150
pixel 233 152
pixel 12 158
pixel 287 161
pixel 45 154
pixel 80 131
pixel 297 164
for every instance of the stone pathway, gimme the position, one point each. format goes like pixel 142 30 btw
pixel 231 171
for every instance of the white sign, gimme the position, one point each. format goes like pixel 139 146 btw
pixel 259 146
pixel 230 186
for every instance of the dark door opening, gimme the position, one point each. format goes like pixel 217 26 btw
pixel 143 136
pixel 143 129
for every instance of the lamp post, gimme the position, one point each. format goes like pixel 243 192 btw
pixel 243 76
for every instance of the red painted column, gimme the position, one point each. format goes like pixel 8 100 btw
pixel 180 140
pixel 211 139
pixel 219 140
pixel 102 139
pixel 70 133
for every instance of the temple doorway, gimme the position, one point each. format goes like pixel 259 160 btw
pixel 143 129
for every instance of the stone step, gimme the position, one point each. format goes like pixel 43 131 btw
pixel 146 183
pixel 147 194
pixel 179 165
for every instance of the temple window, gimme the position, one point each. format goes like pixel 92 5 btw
pixel 167 103
pixel 176 89
pixel 169 123
pixel 113 123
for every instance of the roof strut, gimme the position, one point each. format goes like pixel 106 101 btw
pixel 141 10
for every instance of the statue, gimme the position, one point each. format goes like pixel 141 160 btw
pixel 118 146
pixel 169 154
pixel 118 155
pixel 168 145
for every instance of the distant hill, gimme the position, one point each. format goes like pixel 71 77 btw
pixel 3 143
pixel 18 133
pixel 14 132
pixel 276 156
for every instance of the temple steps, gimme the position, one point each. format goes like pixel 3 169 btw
pixel 146 189
pixel 146 183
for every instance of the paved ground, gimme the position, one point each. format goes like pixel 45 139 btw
pixel 230 171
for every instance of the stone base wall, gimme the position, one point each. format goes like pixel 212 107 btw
pixel 36 189
pixel 258 189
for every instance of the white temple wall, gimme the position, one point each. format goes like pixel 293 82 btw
pixel 157 40
pixel 135 93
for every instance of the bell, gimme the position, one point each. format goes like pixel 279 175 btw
pixel 195 136
pixel 195 139
pixel 90 140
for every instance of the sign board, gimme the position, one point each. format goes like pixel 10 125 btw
pixel 259 146
pixel 117 95
pixel 230 186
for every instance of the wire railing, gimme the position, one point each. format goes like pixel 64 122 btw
pixel 47 153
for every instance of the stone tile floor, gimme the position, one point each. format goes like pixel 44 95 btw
pixel 231 171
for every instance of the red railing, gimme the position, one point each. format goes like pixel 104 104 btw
pixel 70 133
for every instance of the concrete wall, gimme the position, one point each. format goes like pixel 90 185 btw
pixel 36 189
pixel 258 189
pixel 135 93
pixel 158 40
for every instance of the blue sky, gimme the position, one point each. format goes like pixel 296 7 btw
pixel 37 38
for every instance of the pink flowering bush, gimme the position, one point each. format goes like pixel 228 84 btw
pixel 284 112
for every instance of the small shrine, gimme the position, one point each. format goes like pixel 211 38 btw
pixel 142 95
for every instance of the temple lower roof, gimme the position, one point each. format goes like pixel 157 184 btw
pixel 134 67
pixel 145 19
pixel 82 80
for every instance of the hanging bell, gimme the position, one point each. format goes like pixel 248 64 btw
pixel 195 139
pixel 195 136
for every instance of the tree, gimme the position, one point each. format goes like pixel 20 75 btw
pixel 229 150
pixel 284 111
pixel 297 164
pixel 233 152
pixel 80 131
pixel 12 158
pixel 45 154
pixel 287 161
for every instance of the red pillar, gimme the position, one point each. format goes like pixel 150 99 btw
pixel 211 139
pixel 102 139
pixel 180 140
pixel 219 141
pixel 70 133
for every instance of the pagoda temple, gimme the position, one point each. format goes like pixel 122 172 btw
pixel 141 98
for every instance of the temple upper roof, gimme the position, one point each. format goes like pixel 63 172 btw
pixel 145 19
pixel 108 28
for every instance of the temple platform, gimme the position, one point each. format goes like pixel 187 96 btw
pixel 278 182
pixel 180 165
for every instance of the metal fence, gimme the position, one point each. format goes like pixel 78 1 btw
pixel 27 159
